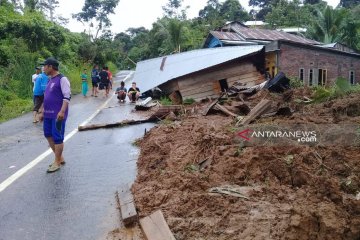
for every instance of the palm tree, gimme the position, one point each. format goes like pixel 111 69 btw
pixel 172 30
pixel 327 25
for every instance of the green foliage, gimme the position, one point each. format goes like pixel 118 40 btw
pixel 321 94
pixel 341 88
pixel 188 101
pixel 26 40
pixel 12 106
pixel 296 82
pixel 165 101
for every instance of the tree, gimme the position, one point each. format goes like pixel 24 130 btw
pixel 326 27
pixel 49 7
pixel 231 10
pixel 312 2
pixel 98 10
pixel 349 3
pixel 263 5
pixel 173 9
pixel 289 14
pixel 210 15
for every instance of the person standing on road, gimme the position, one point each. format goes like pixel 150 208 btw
pixel 84 84
pixel 95 80
pixel 104 81
pixel 110 76
pixel 56 106
pixel 39 89
pixel 33 78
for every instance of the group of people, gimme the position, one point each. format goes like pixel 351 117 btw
pixel 133 93
pixel 51 105
pixel 101 80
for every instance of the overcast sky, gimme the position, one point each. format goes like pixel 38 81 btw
pixel 137 13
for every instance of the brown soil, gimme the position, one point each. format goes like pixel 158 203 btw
pixel 297 192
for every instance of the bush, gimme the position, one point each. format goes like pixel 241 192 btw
pixel 14 108
pixel 296 82
pixel 165 101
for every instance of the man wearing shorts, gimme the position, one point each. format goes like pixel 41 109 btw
pixel 104 81
pixel 39 88
pixel 56 101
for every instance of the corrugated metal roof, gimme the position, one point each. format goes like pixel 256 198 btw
pixel 148 74
pixel 265 34
pixel 227 36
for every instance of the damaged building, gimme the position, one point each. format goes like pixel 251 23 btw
pixel 202 73
pixel 310 61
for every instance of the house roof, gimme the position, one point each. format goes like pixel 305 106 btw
pixel 231 36
pixel 266 34
pixel 275 46
pixel 154 72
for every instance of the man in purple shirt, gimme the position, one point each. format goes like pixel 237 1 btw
pixel 55 110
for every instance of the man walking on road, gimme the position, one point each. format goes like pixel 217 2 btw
pixel 56 102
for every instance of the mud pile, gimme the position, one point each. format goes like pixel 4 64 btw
pixel 293 192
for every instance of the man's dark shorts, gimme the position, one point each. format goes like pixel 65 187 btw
pixel 38 100
pixel 50 130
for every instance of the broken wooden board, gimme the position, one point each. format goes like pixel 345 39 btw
pixel 261 108
pixel 211 105
pixel 155 227
pixel 116 124
pixel 163 111
pixel 127 206
pixel 224 110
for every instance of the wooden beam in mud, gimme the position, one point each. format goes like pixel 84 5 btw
pixel 261 108
pixel 127 206
pixel 155 227
pixel 116 124
pixel 224 110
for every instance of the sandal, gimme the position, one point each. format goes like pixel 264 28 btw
pixel 62 163
pixel 53 168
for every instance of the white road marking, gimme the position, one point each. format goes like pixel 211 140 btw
pixel 41 157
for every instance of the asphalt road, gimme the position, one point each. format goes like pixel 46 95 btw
pixel 77 202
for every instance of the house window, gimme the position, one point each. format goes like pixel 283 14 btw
pixel 352 77
pixel 301 74
pixel 224 85
pixel 322 77
pixel 311 75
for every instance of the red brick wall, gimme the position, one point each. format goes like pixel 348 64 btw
pixel 292 58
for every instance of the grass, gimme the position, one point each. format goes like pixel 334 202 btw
pixel 341 88
pixel 15 108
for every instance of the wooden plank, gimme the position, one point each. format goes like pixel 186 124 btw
pixel 155 227
pixel 224 110
pixel 212 104
pixel 116 124
pixel 222 73
pixel 261 108
pixel 163 111
pixel 202 95
pixel 127 206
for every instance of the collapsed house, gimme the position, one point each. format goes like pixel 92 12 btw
pixel 202 73
pixel 310 61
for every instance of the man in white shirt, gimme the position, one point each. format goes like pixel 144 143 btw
pixel 34 76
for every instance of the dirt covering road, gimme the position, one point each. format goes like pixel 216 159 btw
pixel 293 192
